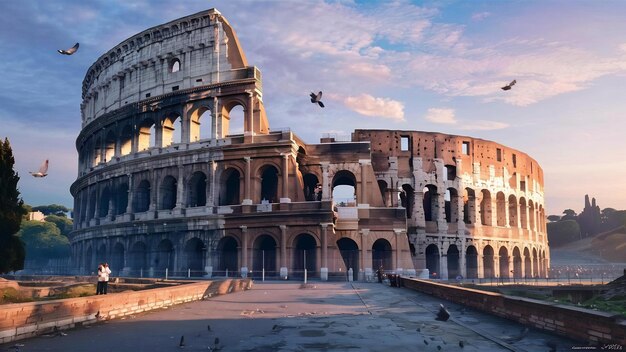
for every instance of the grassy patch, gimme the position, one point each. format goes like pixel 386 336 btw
pixel 11 295
pixel 81 290
pixel 614 305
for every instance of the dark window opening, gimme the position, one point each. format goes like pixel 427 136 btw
pixel 514 160
pixel 174 88
pixel 466 148
pixel 147 95
pixel 522 186
pixel 499 154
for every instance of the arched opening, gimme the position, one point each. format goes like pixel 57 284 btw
pixel 305 252
pixel 528 265
pixel 201 124
pixel 382 255
pixel 452 205
pixel 469 206
pixel 174 65
pixel 141 197
pixel 471 262
pixel 101 253
pixel 138 259
pixel 504 262
pixel 228 259
pixel 269 184
pixel 500 209
pixel 194 257
pixel 97 153
pixel 168 193
pixel 164 258
pixel 512 211
pixel 109 147
pixel 449 172
pixel 531 214
pixel 230 194
pixel 172 130
pixel 485 208
pixel 382 186
pixel 264 257
pixel 535 263
pixel 542 264
pixel 117 258
pixel 91 212
pixel 146 138
pixel 233 120
pixel 453 261
pixel 105 200
pixel 430 203
pixel 196 190
pixel 344 188
pixel 407 199
pixel 88 262
pixel 310 185
pixel 517 263
pixel 522 212
pixel 349 251
pixel 121 199
pixel 126 140
pixel 488 262
pixel 432 261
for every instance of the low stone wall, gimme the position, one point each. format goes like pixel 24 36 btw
pixel 23 320
pixel 581 324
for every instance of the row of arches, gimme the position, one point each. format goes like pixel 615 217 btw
pixel 516 263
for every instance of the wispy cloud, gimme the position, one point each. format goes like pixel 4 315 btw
pixel 445 116
pixel 368 105
pixel 479 16
pixel 482 125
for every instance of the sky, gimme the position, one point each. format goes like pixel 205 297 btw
pixel 404 65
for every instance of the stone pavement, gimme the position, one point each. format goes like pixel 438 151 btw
pixel 284 316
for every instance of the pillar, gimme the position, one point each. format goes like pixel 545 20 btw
pixel 284 272
pixel 326 186
pixel 180 189
pixel 244 251
pixel 285 192
pixel 247 199
pixel 364 250
pixel 324 268
pixel 363 192
pixel 129 207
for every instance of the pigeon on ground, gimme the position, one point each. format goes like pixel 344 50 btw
pixel 208 327
pixel 69 51
pixel 43 170
pixel 510 85
pixel 315 98
pixel 461 344
pixel 443 314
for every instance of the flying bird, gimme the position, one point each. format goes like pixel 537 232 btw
pixel 315 98
pixel 69 51
pixel 508 86
pixel 43 170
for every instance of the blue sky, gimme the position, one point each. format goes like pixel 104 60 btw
pixel 428 66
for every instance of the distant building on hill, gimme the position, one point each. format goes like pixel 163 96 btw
pixel 36 216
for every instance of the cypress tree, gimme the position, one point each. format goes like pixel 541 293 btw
pixel 12 251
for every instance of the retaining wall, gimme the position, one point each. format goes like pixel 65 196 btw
pixel 23 320
pixel 581 324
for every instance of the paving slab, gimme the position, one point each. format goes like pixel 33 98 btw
pixel 288 316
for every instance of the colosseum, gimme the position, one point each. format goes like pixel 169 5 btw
pixel 180 174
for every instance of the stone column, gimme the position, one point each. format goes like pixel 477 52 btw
pixel 462 261
pixel 418 209
pixel 180 188
pixel 363 194
pixel 326 186
pixel 324 268
pixel 364 250
pixel 480 264
pixel 247 199
pixel 511 266
pixel 285 193
pixel 496 265
pixel 442 224
pixel 400 236
pixel 214 119
pixel 443 265
pixel 244 251
pixel 283 252
pixel 211 189
pixel 129 207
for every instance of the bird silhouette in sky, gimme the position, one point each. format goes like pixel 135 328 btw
pixel 508 86
pixel 69 51
pixel 315 98
pixel 43 170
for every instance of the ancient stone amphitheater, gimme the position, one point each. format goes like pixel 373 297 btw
pixel 180 174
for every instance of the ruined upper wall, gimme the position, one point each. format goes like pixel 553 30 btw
pixel 449 148
pixel 141 66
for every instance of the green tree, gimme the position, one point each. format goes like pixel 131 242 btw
pixel 11 211
pixel 43 241
pixel 52 209
pixel 569 214
pixel 553 218
pixel 562 232
pixel 63 223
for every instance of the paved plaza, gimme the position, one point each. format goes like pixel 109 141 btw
pixel 287 316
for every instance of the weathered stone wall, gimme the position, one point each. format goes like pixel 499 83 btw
pixel 23 320
pixel 576 323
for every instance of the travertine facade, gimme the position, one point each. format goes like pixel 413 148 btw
pixel 166 185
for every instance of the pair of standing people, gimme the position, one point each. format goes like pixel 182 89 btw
pixel 103 279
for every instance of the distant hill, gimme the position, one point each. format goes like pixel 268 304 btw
pixel 607 247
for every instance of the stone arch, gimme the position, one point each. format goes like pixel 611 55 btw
pixel 344 178
pixel 193 261
pixel 382 186
pixel 228 258
pixel 485 208
pixel 174 65
pixel 522 212
pixel 171 129
pixel 126 140
pixel 453 261
pixel 264 256
pixel 109 146
pixel 500 209
pixel 382 255
pixel 304 243
pixel 141 198
pixel 167 193
pixel 196 190
pixel 105 200
pixel 528 266
pixel 488 262
pixel 201 124
pixel 430 203
pixel 233 116
pixel 164 258
pixel 432 261
pixel 517 263
pixel 504 262
pixel 471 262
pixel 146 137
pixel 513 211
pixel 449 172
pixel 349 251
pixel 310 184
pixel 452 205
pixel 121 198
pixel 469 206
pixel 269 183
pixel 117 257
pixel 230 192
pixel 407 199
pixel 138 258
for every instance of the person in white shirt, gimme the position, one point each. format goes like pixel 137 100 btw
pixel 107 273
pixel 101 278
